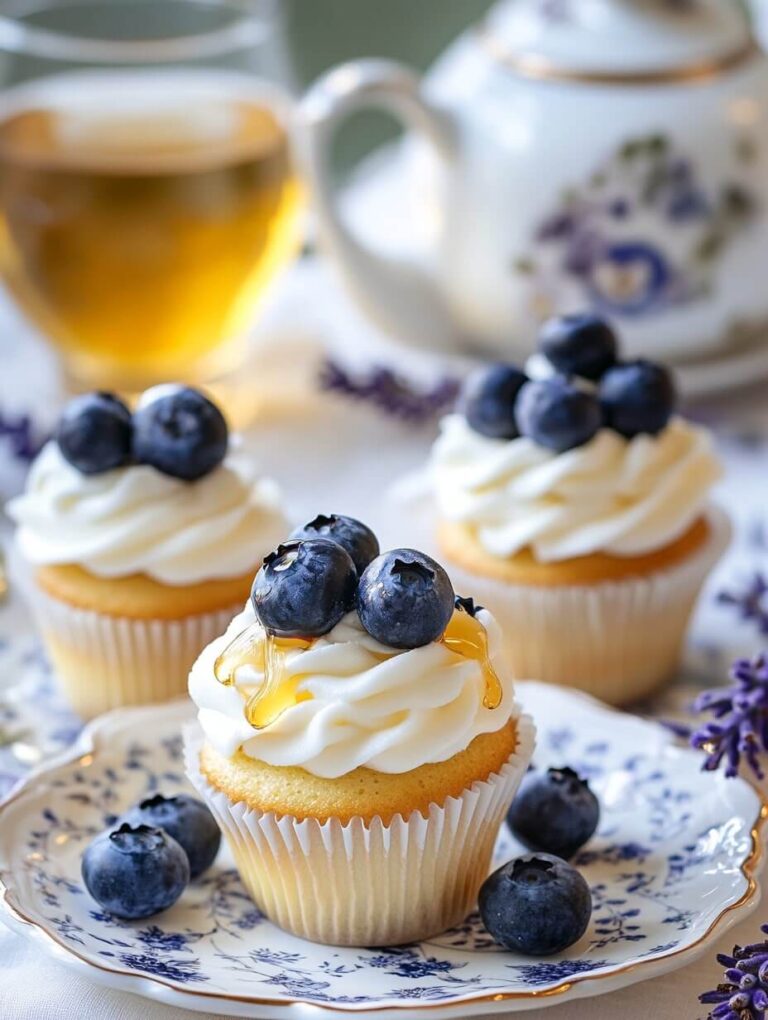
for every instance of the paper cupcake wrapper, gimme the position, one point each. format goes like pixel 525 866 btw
pixel 617 640
pixel 103 662
pixel 364 883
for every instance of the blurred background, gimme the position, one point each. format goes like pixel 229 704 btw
pixel 129 281
pixel 322 33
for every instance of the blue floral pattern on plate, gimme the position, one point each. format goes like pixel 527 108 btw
pixel 27 734
pixel 671 866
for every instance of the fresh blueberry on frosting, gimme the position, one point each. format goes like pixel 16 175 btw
pixel 405 599
pixel 185 819
pixel 555 812
pixel 557 415
pixel 135 871
pixel 537 905
pixel 582 345
pixel 488 400
pixel 581 388
pixel 351 534
pixel 95 432
pixel 180 432
pixel 304 588
pixel 637 397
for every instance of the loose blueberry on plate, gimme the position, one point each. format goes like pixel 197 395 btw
pixel 95 432
pixel 185 819
pixel 554 811
pixel 180 432
pixel 354 536
pixel 537 905
pixel 557 415
pixel 637 397
pixel 135 871
pixel 405 599
pixel 488 400
pixel 304 588
pixel 583 345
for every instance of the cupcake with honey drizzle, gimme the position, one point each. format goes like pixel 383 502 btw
pixel 359 741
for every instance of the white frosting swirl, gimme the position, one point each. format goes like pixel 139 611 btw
pixel 612 495
pixel 135 520
pixel 371 705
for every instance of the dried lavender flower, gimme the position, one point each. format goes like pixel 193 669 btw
pixel 743 995
pixel 739 730
pixel 391 393
pixel 751 601
pixel 20 435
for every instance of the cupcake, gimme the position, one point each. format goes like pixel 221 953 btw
pixel 358 740
pixel 575 503
pixel 136 541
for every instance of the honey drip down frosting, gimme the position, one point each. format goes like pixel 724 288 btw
pixel 265 654
pixel 344 700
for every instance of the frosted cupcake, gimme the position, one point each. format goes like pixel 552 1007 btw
pixel 137 539
pixel 359 741
pixel 576 505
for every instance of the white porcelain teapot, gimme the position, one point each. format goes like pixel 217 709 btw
pixel 610 154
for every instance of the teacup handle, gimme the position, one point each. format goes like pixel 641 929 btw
pixel 403 297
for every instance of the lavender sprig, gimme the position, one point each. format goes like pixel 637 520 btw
pixel 751 601
pixel 744 993
pixel 20 434
pixel 739 729
pixel 390 392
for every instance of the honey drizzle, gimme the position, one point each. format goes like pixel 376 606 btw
pixel 265 653
pixel 468 637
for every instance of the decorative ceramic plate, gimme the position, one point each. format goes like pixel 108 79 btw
pixel 672 867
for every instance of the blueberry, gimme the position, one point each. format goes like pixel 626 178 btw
pixel 555 811
pixel 488 400
pixel 405 599
pixel 95 432
pixel 180 432
pixel 638 396
pixel 558 415
pixel 135 871
pixel 583 345
pixel 185 819
pixel 304 588
pixel 537 905
pixel 354 536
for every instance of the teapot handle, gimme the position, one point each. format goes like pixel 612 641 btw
pixel 403 297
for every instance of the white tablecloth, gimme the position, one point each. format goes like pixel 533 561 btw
pixel 355 454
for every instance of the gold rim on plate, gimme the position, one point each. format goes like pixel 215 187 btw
pixel 85 752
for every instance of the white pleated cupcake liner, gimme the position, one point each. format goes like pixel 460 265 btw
pixel 364 883
pixel 617 640
pixel 103 662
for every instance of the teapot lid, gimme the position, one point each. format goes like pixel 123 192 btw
pixel 630 41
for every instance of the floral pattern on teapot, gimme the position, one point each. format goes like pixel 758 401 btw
pixel 642 234
pixel 563 154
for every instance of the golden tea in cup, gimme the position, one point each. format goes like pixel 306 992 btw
pixel 143 215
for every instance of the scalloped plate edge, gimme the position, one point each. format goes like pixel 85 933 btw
pixel 93 737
